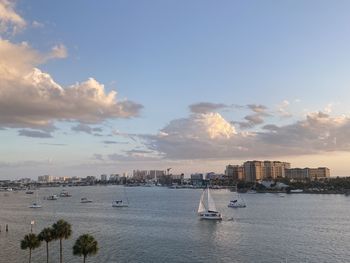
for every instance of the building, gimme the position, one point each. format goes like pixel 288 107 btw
pixel 46 179
pixel 303 174
pixel 274 169
pixel 113 177
pixel 140 175
pixel 235 172
pixel 253 170
pixel 104 177
pixel 319 173
pixel 197 179
pixel 154 174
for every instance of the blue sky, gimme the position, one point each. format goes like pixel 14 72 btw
pixel 292 57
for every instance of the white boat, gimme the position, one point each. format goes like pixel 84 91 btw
pixel 282 195
pixel 251 192
pixel 85 200
pixel 36 203
pixel 296 191
pixel 207 209
pixel 237 202
pixel 52 197
pixel 64 193
pixel 120 202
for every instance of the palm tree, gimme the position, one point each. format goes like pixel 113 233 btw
pixel 30 241
pixel 46 235
pixel 61 230
pixel 85 245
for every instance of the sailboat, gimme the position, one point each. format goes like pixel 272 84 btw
pixel 207 209
pixel 36 203
pixel 120 202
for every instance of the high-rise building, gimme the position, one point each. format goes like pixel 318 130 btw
pixel 235 172
pixel 302 174
pixel 253 171
pixel 274 169
pixel 104 177
pixel 318 173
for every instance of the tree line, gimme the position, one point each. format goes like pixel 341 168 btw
pixel 84 246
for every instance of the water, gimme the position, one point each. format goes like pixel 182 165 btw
pixel 161 225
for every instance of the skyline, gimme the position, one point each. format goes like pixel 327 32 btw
pixel 189 85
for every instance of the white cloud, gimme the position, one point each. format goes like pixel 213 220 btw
pixel 192 138
pixel 10 21
pixel 58 51
pixel 283 109
pixel 43 101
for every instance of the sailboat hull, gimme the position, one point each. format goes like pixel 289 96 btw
pixel 210 216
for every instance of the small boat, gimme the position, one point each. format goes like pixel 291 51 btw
pixel 29 192
pixel 52 197
pixel 282 195
pixel 64 193
pixel 85 200
pixel 207 209
pixel 251 192
pixel 237 202
pixel 36 203
pixel 120 202
pixel 297 191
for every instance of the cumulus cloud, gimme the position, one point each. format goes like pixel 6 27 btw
pixel 43 101
pixel 9 19
pixel 193 138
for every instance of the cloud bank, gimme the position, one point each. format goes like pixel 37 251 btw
pixel 210 136
pixel 43 101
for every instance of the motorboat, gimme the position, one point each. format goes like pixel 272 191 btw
pixel 207 208
pixel 35 205
pixel 119 203
pixel 64 193
pixel 85 200
pixel 52 197
pixel 237 202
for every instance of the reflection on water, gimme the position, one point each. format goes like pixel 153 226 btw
pixel 161 225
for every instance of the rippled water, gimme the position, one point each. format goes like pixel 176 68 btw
pixel 161 225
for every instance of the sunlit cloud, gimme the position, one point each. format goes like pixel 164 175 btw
pixel 10 20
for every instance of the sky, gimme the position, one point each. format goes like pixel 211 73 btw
pixel 91 87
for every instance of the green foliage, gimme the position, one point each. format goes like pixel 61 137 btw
pixel 85 245
pixel 47 234
pixel 61 230
pixel 30 241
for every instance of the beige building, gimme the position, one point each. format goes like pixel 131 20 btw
pixel 235 172
pixel 302 174
pixel 274 169
pixel 253 170
pixel 319 173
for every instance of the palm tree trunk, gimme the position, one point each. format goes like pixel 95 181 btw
pixel 47 252
pixel 30 255
pixel 84 259
pixel 61 251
